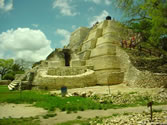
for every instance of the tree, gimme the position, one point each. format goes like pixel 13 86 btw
pixel 5 66
pixel 8 69
pixel 17 69
pixel 149 17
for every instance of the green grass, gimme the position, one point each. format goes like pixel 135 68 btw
pixel 20 121
pixel 75 122
pixel 47 101
pixel 157 110
pixel 69 104
pixel 49 115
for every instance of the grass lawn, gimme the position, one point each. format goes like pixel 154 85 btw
pixel 20 121
pixel 46 101
pixel 49 102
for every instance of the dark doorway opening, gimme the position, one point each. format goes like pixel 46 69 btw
pixel 67 58
pixel 108 18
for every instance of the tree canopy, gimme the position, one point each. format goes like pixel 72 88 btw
pixel 8 69
pixel 149 17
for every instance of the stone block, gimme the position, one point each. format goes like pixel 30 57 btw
pixel 89 44
pixel 109 30
pixel 75 63
pixel 96 34
pixel 103 50
pixel 44 63
pixel 109 77
pixel 107 39
pixel 53 64
pixel 102 24
pixel 66 71
pixel 78 36
pixel 90 67
pixel 105 62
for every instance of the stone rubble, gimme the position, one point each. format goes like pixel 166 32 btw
pixel 159 118
pixel 123 98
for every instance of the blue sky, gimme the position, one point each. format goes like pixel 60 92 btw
pixel 31 29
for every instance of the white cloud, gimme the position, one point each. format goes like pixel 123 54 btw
pixel 35 25
pixel 65 8
pixel 107 2
pixel 24 43
pixel 98 18
pixel 97 1
pixel 65 34
pixel 6 5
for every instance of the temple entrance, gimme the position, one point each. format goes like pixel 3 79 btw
pixel 67 58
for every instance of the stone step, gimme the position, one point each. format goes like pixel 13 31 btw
pixel 10 88
pixel 14 84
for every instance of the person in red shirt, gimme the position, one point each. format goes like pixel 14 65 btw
pixel 132 42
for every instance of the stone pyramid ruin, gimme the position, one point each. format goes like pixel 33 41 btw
pixel 93 57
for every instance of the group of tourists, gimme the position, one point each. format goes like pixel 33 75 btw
pixel 130 43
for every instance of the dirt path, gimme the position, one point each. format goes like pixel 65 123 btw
pixel 20 110
pixel 64 117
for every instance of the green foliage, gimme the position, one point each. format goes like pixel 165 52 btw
pixel 9 76
pixel 5 66
pixel 79 117
pixel 69 104
pixel 49 115
pixel 143 27
pixel 17 68
pixel 75 122
pixel 148 17
pixel 20 121
pixel 8 69
pixel 46 101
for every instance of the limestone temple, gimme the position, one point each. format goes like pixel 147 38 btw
pixel 93 57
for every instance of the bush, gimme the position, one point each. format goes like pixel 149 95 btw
pixel 8 76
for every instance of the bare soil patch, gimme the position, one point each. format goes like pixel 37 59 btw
pixel 20 110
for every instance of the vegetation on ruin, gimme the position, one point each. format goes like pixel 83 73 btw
pixel 149 19
pixel 144 61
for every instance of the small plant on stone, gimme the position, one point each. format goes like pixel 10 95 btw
pixel 68 112
pixel 49 115
pixel 115 114
pixel 79 117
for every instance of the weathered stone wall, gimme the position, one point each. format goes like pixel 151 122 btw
pixel 77 38
pixel 150 80
pixel 66 71
pixel 103 55
pixel 130 72
pixel 135 78
pixel 45 81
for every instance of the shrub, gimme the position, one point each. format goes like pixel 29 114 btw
pixel 8 76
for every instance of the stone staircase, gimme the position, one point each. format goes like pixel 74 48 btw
pixel 22 81
pixel 14 85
